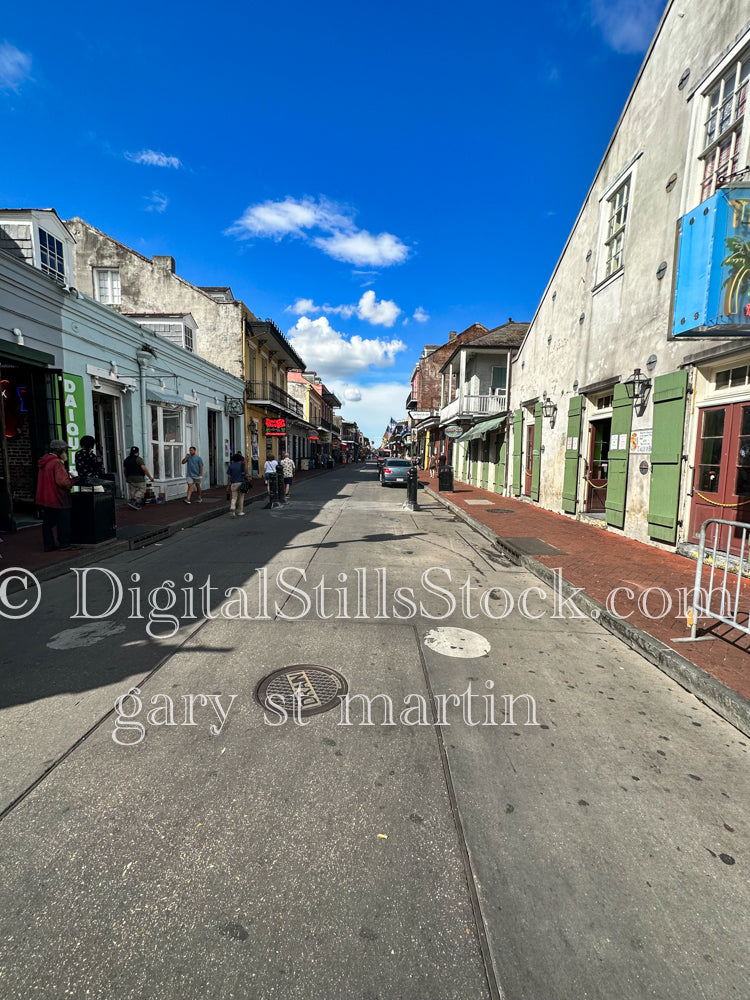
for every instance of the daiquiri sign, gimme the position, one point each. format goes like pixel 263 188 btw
pixel 712 288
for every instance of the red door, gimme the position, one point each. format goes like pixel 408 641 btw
pixel 529 459
pixel 721 480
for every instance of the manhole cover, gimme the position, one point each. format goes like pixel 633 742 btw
pixel 302 689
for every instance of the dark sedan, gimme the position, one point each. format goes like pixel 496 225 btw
pixel 395 470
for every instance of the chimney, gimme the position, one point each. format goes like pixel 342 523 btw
pixel 451 336
pixel 163 264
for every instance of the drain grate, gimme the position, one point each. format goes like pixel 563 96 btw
pixel 302 688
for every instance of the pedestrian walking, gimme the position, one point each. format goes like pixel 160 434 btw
pixel 136 474
pixel 269 469
pixel 53 496
pixel 288 467
pixel 193 474
pixel 433 465
pixel 236 484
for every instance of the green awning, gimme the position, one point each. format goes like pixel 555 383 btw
pixel 479 430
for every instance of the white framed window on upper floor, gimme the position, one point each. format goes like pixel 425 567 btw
pixel 617 218
pixel 107 287
pixel 51 257
pixel 723 137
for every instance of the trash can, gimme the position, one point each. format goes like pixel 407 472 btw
pixel 445 480
pixel 92 517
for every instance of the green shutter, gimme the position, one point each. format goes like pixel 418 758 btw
pixel 517 446
pixel 670 399
pixel 572 455
pixel 536 456
pixel 500 453
pixel 617 473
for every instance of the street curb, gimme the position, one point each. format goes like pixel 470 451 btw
pixel 729 704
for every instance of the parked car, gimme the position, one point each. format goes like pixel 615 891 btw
pixel 395 470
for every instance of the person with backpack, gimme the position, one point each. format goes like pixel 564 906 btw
pixel 136 474
pixel 236 484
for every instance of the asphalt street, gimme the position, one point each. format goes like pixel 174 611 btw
pixel 534 812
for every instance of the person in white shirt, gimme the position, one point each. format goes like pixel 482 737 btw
pixel 287 464
pixel 270 467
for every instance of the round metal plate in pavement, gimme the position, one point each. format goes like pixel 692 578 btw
pixel 302 688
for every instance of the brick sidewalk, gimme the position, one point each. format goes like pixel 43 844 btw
pixel 598 561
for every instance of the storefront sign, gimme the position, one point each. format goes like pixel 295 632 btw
pixel 275 426
pixel 640 441
pixel 712 290
pixel 453 431
pixel 73 409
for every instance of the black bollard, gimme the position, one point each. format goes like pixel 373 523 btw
pixel 412 486
pixel 280 485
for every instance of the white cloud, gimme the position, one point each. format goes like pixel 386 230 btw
pixel 302 306
pixel 627 25
pixel 378 313
pixel 377 403
pixel 420 315
pixel 150 158
pixel 352 394
pixel 157 202
pixel 329 352
pixel 15 67
pixel 324 224
pixel 361 247
pixel 383 313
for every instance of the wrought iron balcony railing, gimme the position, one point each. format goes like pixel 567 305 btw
pixel 267 392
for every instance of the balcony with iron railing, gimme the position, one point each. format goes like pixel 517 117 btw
pixel 469 405
pixel 267 392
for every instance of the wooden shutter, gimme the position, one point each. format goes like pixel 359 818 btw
pixel 572 455
pixel 536 457
pixel 500 453
pixel 517 446
pixel 617 474
pixel 670 398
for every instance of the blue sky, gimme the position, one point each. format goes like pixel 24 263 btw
pixel 370 176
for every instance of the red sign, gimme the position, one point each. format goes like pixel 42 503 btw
pixel 313 437
pixel 275 426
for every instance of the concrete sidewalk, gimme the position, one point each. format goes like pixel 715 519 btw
pixel 598 561
pixel 135 528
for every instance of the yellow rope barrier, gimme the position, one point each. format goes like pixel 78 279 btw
pixel 715 503
pixel 595 487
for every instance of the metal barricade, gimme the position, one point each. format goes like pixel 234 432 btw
pixel 727 608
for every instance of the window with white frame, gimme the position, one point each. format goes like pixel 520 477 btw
pixel 51 258
pixel 167 441
pixel 107 287
pixel 723 130
pixel 617 217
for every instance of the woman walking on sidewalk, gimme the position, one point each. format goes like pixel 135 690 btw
pixel 236 479
pixel 433 465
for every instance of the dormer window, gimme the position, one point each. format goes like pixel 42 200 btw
pixel 51 258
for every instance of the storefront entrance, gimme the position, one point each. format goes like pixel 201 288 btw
pixel 107 434
pixel 721 480
pixel 30 417
pixel 598 465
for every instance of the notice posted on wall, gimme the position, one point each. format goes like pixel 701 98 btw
pixel 640 441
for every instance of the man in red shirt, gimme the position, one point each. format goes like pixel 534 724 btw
pixel 53 496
